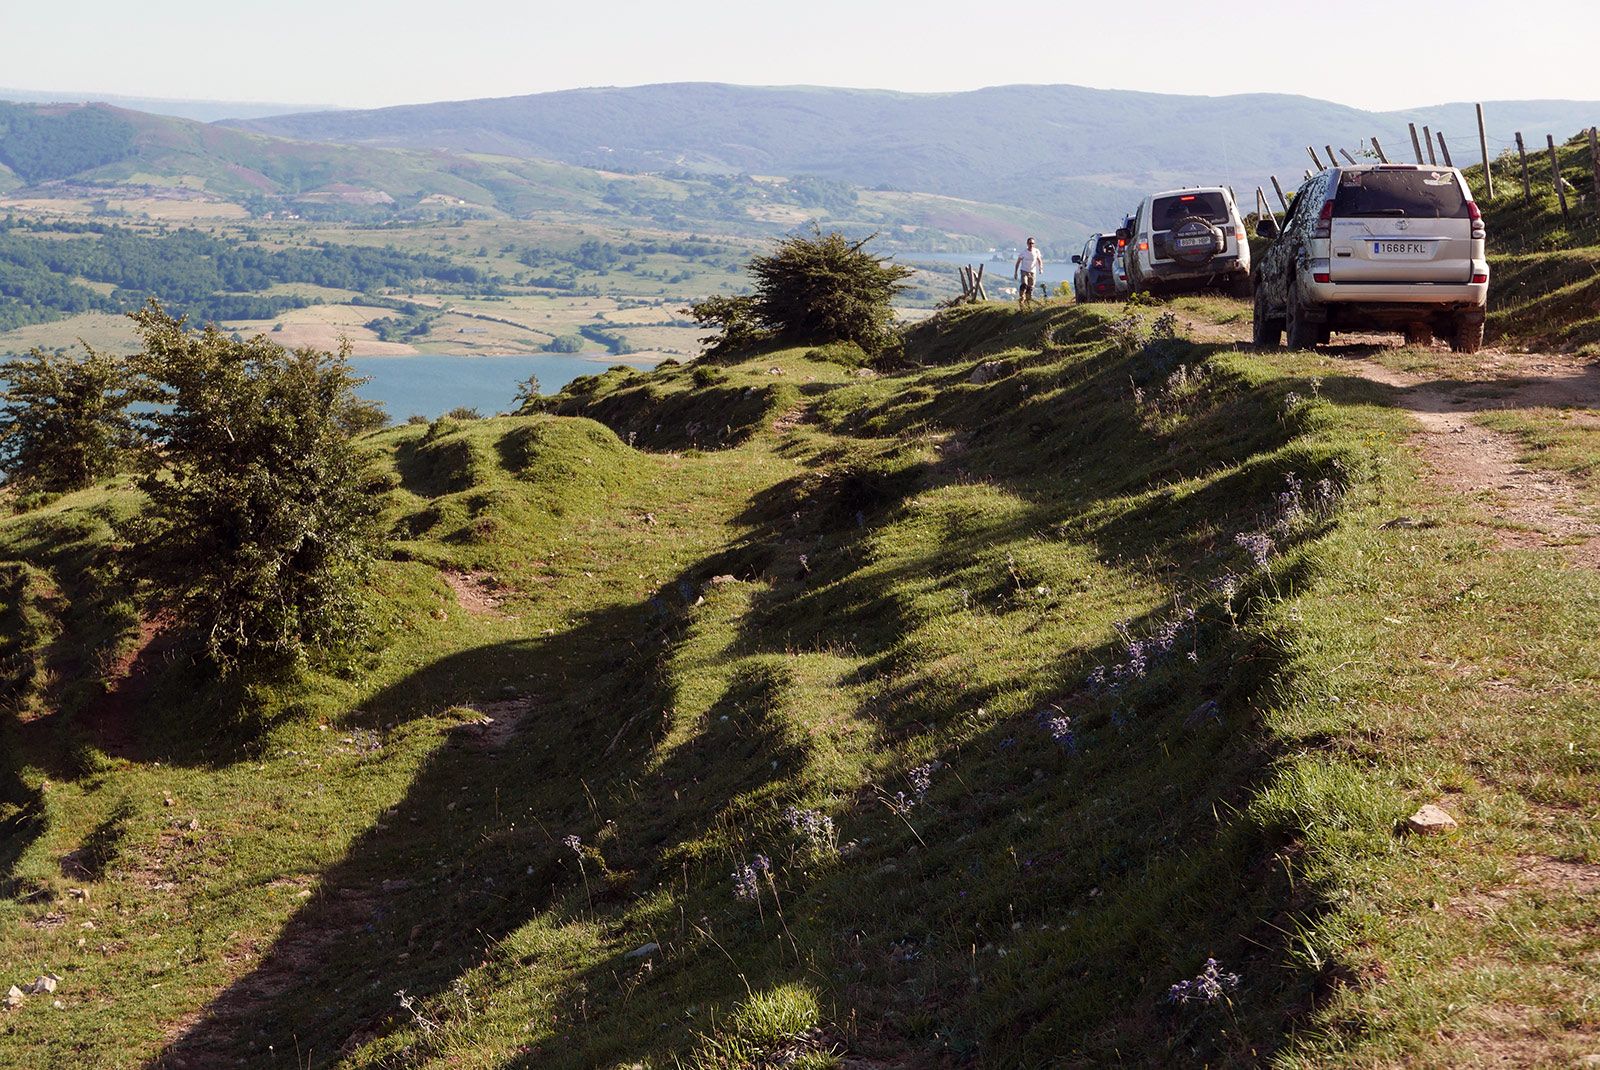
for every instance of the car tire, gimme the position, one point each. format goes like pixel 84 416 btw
pixel 1420 335
pixel 1301 333
pixel 1265 331
pixel 1468 335
pixel 1240 286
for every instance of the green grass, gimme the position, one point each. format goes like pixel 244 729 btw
pixel 727 619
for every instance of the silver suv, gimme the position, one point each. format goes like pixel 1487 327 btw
pixel 1386 247
pixel 1187 239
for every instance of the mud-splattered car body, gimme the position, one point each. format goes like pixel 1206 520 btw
pixel 1391 247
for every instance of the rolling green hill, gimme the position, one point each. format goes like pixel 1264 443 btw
pixel 770 713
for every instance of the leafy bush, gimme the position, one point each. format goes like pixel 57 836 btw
pixel 260 527
pixel 63 420
pixel 826 288
pixel 734 318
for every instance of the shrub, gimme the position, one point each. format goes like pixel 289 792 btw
pixel 63 419
pixel 826 288
pixel 260 524
pixel 463 412
pixel 566 343
pixel 734 318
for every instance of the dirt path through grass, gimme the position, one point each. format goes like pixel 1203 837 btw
pixel 1530 508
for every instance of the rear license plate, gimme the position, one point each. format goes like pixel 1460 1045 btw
pixel 1190 243
pixel 1401 248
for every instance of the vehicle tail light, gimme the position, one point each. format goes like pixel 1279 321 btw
pixel 1480 276
pixel 1238 235
pixel 1477 219
pixel 1321 276
pixel 1324 221
pixel 1144 247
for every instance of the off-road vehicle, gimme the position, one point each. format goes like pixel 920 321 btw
pixel 1382 247
pixel 1188 240
pixel 1096 276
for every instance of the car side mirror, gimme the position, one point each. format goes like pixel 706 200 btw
pixel 1076 259
pixel 1123 234
pixel 1267 227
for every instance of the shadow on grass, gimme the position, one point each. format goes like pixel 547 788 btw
pixel 1104 871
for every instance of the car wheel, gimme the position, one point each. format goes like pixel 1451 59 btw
pixel 1419 335
pixel 1265 331
pixel 1239 286
pixel 1468 335
pixel 1302 333
pixel 1324 334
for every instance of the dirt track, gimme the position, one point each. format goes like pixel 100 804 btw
pixel 1529 507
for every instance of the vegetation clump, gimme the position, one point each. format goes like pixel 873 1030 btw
pixel 63 419
pixel 260 522
pixel 812 290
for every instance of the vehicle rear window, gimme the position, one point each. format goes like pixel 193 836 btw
pixel 1414 194
pixel 1167 212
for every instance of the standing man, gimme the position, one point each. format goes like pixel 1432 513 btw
pixel 1026 272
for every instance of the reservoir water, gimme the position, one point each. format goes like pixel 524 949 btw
pixel 433 385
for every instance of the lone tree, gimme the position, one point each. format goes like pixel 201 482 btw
pixel 261 524
pixel 811 290
pixel 63 419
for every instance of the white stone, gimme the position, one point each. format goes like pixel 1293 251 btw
pixel 1430 821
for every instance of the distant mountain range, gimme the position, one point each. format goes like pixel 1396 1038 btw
pixel 1067 150
pixel 205 111
pixel 986 166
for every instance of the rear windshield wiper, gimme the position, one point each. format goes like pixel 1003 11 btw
pixel 1384 211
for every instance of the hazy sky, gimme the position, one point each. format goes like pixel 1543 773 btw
pixel 1380 54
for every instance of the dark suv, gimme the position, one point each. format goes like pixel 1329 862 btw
pixel 1096 276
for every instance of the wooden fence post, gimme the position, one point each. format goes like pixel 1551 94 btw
pixel 1444 150
pixel 1416 145
pixel 1594 161
pixel 1346 154
pixel 1281 198
pixel 1427 139
pixel 977 284
pixel 1522 154
pixel 1483 147
pixel 1377 148
pixel 1555 173
pixel 1333 161
pixel 1315 159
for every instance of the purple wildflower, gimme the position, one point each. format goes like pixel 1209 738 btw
pixel 573 844
pixel 922 779
pixel 1258 545
pixel 814 829
pixel 1059 727
pixel 1208 986
pixel 747 879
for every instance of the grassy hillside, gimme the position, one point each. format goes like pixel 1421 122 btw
pixel 1035 687
pixel 1546 288
pixel 1094 150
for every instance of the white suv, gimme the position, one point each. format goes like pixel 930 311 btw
pixel 1387 247
pixel 1188 239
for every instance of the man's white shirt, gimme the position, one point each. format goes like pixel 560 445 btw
pixel 1031 260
